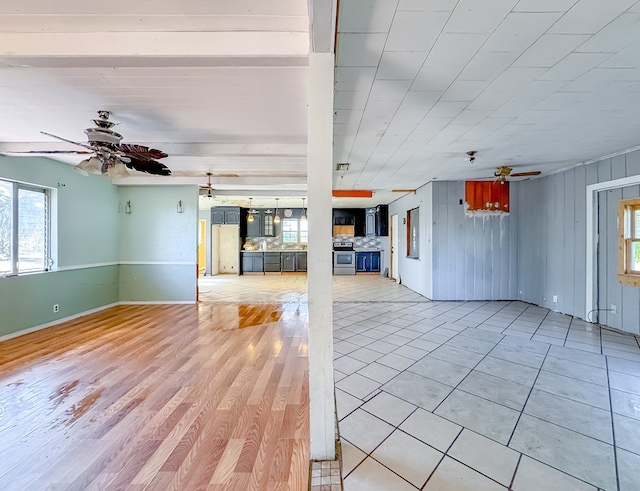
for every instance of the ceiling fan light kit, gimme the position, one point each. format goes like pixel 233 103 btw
pixel 110 156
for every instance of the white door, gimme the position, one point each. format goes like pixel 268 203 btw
pixel 395 274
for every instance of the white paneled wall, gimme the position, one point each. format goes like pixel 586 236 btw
pixel 552 239
pixel 537 254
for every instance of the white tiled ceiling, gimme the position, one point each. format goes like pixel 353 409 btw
pixel 535 84
pixel 222 86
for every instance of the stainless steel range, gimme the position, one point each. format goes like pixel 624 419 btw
pixel 344 258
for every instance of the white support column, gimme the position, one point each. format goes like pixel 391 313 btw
pixel 320 259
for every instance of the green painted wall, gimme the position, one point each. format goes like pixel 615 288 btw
pixel 87 208
pixel 157 283
pixel 27 301
pixel 154 232
pixel 92 229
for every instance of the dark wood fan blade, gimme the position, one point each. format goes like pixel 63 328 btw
pixel 76 152
pixel 140 151
pixel 147 165
pixel 524 174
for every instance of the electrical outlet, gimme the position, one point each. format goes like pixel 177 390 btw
pixel 614 309
pixel 555 299
pixel 56 308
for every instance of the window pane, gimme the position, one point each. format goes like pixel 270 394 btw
pixel 6 216
pixel 635 256
pixel 635 220
pixel 32 230
pixel 413 239
pixel 289 230
pixel 304 231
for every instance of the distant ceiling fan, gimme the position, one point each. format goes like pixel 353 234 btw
pixel 207 190
pixel 502 172
pixel 109 156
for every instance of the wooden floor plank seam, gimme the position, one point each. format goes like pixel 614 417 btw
pixel 158 397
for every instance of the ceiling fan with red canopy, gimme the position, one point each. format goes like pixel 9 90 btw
pixel 108 155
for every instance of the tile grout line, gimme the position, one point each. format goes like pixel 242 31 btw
pixel 515 471
pixel 527 399
pixel 613 428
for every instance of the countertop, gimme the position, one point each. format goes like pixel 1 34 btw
pixel 277 250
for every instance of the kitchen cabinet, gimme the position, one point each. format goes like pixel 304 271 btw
pixel 350 216
pixel 225 215
pixel 288 262
pixel 252 262
pixel 271 262
pixel 367 262
pixel 371 222
pixel 254 228
pixel 301 261
pixel 377 221
pixel 293 262
pixel 268 226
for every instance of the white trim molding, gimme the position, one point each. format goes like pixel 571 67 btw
pixel 89 312
pixel 118 263
pixel 592 237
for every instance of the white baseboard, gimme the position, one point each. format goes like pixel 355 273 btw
pixel 82 314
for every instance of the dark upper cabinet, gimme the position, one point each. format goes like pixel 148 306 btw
pixel 223 215
pixel 377 221
pixel 232 216
pixel 371 222
pixel 382 220
pixel 254 227
pixel 360 222
pixel 351 216
pixel 268 226
pixel 217 216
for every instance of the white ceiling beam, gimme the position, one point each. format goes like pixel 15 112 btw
pixel 187 44
pixel 189 149
pixel 273 182
pixel 322 25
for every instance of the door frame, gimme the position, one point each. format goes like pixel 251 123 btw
pixel 393 257
pixel 592 231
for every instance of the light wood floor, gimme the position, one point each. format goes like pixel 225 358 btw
pixel 182 397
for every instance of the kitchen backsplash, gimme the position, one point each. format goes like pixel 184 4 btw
pixel 360 242
pixel 276 242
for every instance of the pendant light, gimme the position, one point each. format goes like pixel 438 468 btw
pixel 250 216
pixel 304 212
pixel 276 219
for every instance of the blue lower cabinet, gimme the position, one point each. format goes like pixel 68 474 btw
pixel 375 262
pixel 367 262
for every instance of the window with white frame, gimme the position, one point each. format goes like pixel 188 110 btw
pixel 295 231
pixel 629 241
pixel 24 228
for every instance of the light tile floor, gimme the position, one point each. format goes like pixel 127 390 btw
pixel 470 395
pixel 482 396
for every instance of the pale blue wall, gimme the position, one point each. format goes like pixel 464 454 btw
pixel 87 223
pixel 159 242
pixel 461 258
pixel 552 237
pixel 104 254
